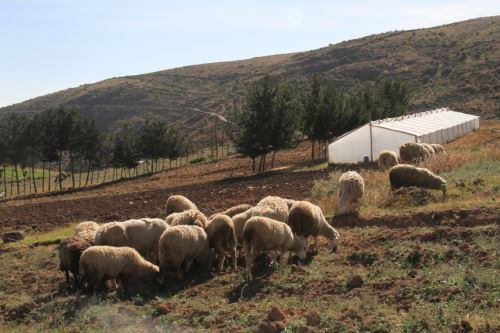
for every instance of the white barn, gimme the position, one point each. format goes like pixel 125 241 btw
pixel 366 142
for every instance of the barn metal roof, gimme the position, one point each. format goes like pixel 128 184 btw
pixel 424 122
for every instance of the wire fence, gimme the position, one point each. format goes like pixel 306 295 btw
pixel 25 183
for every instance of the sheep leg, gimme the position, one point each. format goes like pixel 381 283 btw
pixel 235 259
pixel 249 260
pixel 75 282
pixel 221 257
pixel 67 280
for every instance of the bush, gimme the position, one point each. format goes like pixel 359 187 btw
pixel 198 160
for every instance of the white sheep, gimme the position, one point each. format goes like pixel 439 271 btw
pixel 351 188
pixel 438 149
pixel 262 234
pixel 234 210
pixel 405 175
pixel 387 159
pixel 411 152
pixel 140 234
pixel 272 207
pixel 99 263
pixel 429 148
pixel 179 247
pixel 178 203
pixel 188 217
pixel 239 221
pixel 307 219
pixel 70 249
pixel 222 238
pixel 87 230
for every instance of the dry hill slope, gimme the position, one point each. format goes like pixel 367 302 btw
pixel 457 65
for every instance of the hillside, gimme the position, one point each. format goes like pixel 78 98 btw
pixel 456 65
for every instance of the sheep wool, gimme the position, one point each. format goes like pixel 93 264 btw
pixel 438 149
pixel 239 221
pixel 236 210
pixel 405 175
pixel 272 207
pixel 178 203
pixel 189 217
pixel 351 189
pixel 98 263
pixel 429 148
pixel 262 234
pixel 87 230
pixel 222 239
pixel 70 249
pixel 179 247
pixel 411 152
pixel 387 159
pixel 307 219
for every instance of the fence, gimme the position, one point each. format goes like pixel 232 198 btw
pixel 46 180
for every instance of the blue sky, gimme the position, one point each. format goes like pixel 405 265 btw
pixel 49 45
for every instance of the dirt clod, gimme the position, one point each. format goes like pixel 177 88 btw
pixel 271 327
pixel 463 327
pixel 13 236
pixel 276 314
pixel 355 281
pixel 306 329
pixel 313 318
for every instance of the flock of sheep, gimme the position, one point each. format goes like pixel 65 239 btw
pixel 162 250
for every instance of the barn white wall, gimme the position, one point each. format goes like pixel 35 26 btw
pixel 384 138
pixel 350 148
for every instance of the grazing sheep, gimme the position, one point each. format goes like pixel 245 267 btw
pixel 405 175
pixel 222 238
pixel 351 188
pixel 429 148
pixel 179 247
pixel 272 207
pixel 87 230
pixel 387 159
pixel 70 250
pixel 140 234
pixel 307 219
pixel 189 217
pixel 178 203
pixel 438 149
pixel 413 152
pixel 99 263
pixel 235 210
pixel 262 234
pixel 239 221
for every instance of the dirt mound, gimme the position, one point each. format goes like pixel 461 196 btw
pixel 410 196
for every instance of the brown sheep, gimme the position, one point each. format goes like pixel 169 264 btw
pixel 222 238
pixel 70 249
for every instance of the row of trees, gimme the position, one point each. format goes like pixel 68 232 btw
pixel 65 137
pixel 274 116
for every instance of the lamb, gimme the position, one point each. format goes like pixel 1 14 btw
pixel 178 203
pixel 438 149
pixel 99 263
pixel 262 234
pixel 235 210
pixel 413 152
pixel 87 230
pixel 179 247
pixel 239 221
pixel 387 159
pixel 307 219
pixel 429 148
pixel 70 250
pixel 140 234
pixel 405 175
pixel 189 217
pixel 351 188
pixel 222 238
pixel 272 207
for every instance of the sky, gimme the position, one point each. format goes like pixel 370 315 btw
pixel 50 45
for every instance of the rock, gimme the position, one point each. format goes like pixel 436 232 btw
pixel 355 281
pixel 412 274
pixel 267 327
pixel 463 327
pixel 313 318
pixel 12 236
pixel 276 314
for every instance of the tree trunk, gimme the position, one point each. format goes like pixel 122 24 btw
pixel 104 177
pixel 272 161
pixel 43 176
pixel 253 164
pixel 92 175
pixel 113 174
pixel 72 169
pixel 88 174
pixel 60 170
pixel 17 180
pixel 80 173
pixel 312 150
pixel 121 173
pixel 169 163
pixel 33 174
pixel 50 171
pixel 97 181
pixel 24 181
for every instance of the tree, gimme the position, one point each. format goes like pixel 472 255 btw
pixel 123 148
pixel 15 142
pixel 267 121
pixel 153 141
